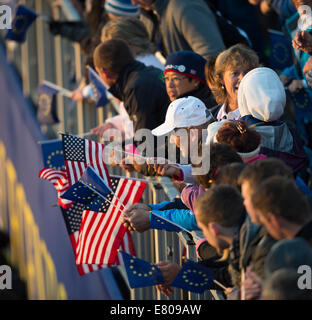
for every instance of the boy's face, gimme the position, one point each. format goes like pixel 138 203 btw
pixel 272 226
pixel 212 237
pixel 247 193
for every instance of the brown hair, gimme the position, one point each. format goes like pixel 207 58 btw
pixel 258 171
pixel 281 197
pixel 222 205
pixel 298 3
pixel 239 136
pixel 228 175
pixel 132 31
pixel 236 56
pixel 112 55
pixel 220 155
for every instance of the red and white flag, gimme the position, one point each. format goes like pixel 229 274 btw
pixel 60 181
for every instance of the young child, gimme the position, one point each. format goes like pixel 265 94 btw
pixel 242 138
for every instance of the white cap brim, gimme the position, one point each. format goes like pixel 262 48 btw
pixel 162 129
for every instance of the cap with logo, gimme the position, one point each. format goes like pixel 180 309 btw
pixel 182 113
pixel 187 63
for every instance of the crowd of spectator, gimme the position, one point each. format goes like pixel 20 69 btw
pixel 202 66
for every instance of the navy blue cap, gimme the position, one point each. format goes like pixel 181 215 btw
pixel 187 63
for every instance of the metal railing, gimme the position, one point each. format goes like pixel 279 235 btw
pixel 47 57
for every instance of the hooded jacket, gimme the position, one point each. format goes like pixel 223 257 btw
pixel 261 101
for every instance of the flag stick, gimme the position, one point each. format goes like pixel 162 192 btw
pixel 242 287
pixel 219 284
pixel 125 152
pixel 143 180
pixel 44 18
pixel 106 198
pixel 63 91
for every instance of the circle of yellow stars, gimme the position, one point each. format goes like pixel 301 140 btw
pixel 49 161
pixel 281 58
pixel 141 274
pixel 89 197
pixel 187 277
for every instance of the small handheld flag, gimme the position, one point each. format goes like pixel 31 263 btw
pixel 98 88
pixel 158 222
pixel 81 193
pixel 52 154
pixel 23 19
pixel 141 273
pixel 280 50
pixel 194 277
pixel 46 113
pixel 91 179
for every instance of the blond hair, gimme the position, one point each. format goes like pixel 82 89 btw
pixel 238 55
pixel 132 31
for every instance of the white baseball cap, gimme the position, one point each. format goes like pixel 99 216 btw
pixel 182 113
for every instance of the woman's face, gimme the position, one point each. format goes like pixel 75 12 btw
pixel 177 85
pixel 231 79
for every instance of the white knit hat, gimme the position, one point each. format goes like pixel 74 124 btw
pixel 121 8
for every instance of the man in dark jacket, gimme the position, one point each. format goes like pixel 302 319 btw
pixel 141 88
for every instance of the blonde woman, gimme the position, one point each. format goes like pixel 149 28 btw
pixel 224 74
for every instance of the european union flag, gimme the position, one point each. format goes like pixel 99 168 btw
pixel 91 179
pixel 46 113
pixel 23 19
pixel 141 273
pixel 302 103
pixel 98 88
pixel 52 153
pixel 280 50
pixel 193 277
pixel 157 222
pixel 81 193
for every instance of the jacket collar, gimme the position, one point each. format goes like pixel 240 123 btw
pixel 117 89
pixel 250 120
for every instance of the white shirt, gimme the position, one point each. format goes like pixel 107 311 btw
pixel 232 115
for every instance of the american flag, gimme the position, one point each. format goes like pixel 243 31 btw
pixel 59 179
pixel 72 217
pixel 101 234
pixel 79 153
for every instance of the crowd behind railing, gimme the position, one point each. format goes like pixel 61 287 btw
pixel 228 109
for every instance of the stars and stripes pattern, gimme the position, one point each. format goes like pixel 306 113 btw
pixel 79 153
pixel 101 234
pixel 59 180
pixel 72 217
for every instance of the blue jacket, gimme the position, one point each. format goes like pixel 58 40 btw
pixel 183 217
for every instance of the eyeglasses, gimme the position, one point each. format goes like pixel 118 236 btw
pixel 175 80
